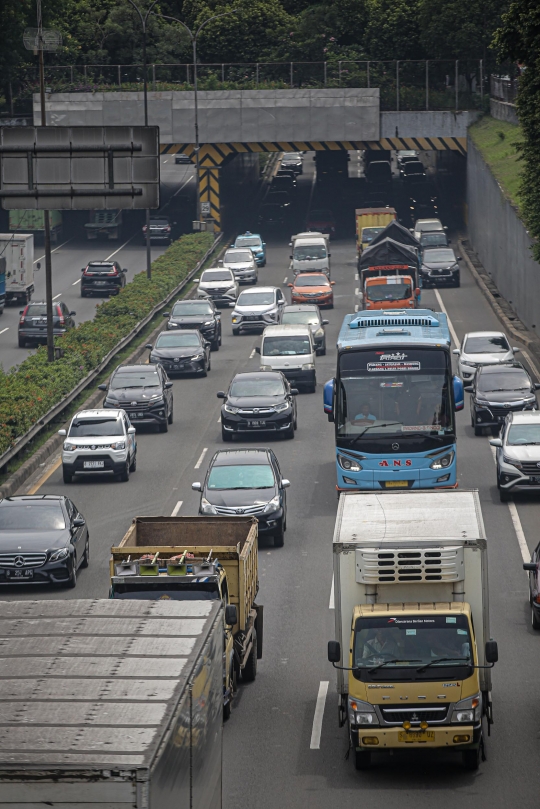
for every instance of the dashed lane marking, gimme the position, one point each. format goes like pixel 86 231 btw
pixel 252 354
pixel 57 296
pixel 177 508
pixel 318 718
pixel 450 325
pixel 78 281
pixel 53 251
pixel 3 330
pixel 201 458
pixel 120 248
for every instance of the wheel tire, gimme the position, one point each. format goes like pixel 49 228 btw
pixel 362 759
pixel 322 352
pixel 504 496
pixel 249 672
pixel 133 466
pixel 170 416
pixel 458 284
pixel 164 428
pixel 478 430
pixel 72 581
pixel 227 710
pixel 214 345
pixel 85 561
pixel 225 436
pixel 279 538
pixel 209 368
pixel 471 759
pixel 83 293
pixel 66 476
pixel 290 432
pixel 535 623
pixel 236 332
pixel 22 342
pixel 124 476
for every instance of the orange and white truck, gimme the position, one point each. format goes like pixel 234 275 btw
pixel 391 291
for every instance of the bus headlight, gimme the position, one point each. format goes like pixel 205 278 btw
pixel 349 464
pixel 443 461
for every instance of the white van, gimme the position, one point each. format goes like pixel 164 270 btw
pixel 310 253
pixel 291 350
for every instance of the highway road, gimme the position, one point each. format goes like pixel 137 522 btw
pixel 276 754
pixel 74 251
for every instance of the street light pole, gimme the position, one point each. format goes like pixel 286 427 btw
pixel 144 20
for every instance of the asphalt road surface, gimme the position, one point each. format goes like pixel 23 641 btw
pixel 275 755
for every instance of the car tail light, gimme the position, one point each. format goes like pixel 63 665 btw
pixel 85 271
pixel 25 311
pixel 61 319
pixel 537 598
pixel 144 229
pixel 168 229
pixel 113 271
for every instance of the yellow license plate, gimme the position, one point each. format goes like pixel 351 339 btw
pixel 416 736
pixel 393 484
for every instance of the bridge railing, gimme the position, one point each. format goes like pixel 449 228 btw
pixel 503 88
pixel 404 84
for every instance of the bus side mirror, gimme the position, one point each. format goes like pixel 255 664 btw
pixel 334 651
pixel 492 651
pixel 459 395
pixel 328 399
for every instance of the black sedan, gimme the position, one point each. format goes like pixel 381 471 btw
pixel 144 392
pixel 43 540
pixel 258 403
pixel 498 390
pixel 200 315
pixel 247 481
pixel 181 352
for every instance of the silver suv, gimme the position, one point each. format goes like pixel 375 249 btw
pixel 257 309
pixel 242 263
pixel 218 284
pixel 518 454
pixel 99 441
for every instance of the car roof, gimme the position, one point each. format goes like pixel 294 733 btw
pixel 484 334
pixel 94 414
pixel 253 290
pixel 131 368
pixel 445 247
pixel 258 375
pixel 526 416
pixel 37 499
pixel 503 366
pixel 248 234
pixel 301 307
pixel 237 457
pixel 286 328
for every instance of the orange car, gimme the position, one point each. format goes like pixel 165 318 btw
pixel 313 287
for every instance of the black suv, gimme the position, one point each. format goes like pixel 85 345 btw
pixel 102 277
pixel 33 322
pixel 160 229
pixel 144 392
pixel 498 390
pixel 247 481
pixel 258 402
pixel 200 315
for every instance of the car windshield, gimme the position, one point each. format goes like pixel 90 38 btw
pixel 248 241
pixel 256 299
pixel 159 222
pixel 31 516
pixel 260 386
pixel 309 252
pixel 311 281
pixel 494 344
pixel 176 340
pixel 439 255
pixel 427 227
pixel 285 346
pixel 438 239
pixel 322 214
pixel 368 234
pixel 520 434
pixel 238 256
pixel 85 428
pixel 195 308
pixel 412 641
pixel 301 318
pixel 216 275
pixel 388 292
pixel 245 476
pixel 503 380
pixel 413 168
pixel 135 379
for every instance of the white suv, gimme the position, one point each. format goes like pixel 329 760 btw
pixel 220 285
pixel 518 454
pixel 482 348
pixel 99 441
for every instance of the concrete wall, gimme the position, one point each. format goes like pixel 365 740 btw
pixel 501 241
pixel 503 111
pixel 228 115
pixel 238 185
pixel 427 124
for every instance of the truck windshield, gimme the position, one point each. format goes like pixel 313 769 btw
pixel 164 591
pixel 309 252
pixel 389 291
pixel 285 346
pixel 412 642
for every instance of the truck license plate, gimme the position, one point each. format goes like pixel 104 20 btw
pixel 19 574
pixel 93 464
pixel 416 736
pixel 394 484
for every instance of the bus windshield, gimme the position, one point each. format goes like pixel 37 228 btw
pixel 393 393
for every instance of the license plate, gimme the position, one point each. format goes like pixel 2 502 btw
pixel 19 574
pixel 100 283
pixel 93 464
pixel 416 736
pixel 258 423
pixel 394 484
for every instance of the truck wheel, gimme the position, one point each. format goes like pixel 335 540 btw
pixel 362 759
pixel 249 672
pixel 471 759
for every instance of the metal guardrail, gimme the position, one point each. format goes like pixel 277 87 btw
pixel 504 89
pixel 55 411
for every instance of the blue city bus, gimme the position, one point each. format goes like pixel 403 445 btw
pixel 393 401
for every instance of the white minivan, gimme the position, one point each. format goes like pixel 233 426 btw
pixel 291 350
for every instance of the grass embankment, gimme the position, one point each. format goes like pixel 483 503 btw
pixel 28 391
pixel 497 142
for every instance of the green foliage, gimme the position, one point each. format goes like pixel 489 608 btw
pixel 392 31
pixel 498 142
pixel 459 29
pixel 31 389
pixel 518 39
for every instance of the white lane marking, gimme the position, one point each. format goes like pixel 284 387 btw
pixel 3 330
pixel 252 354
pixel 450 326
pixel 318 718
pixel 331 605
pixel 219 420
pixel 531 363
pixel 518 528
pixel 285 279
pixel 357 291
pixel 54 251
pixel 120 248
pixel 165 161
pixel 201 458
pixel 356 277
pixel 177 508
pixel 78 281
pixel 57 296
pixel 356 307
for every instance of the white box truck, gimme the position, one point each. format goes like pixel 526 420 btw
pixel 111 703
pixel 412 644
pixel 18 250
pixel 310 252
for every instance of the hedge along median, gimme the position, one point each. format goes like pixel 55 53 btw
pixel 28 391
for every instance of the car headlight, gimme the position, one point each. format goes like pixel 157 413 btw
pixel 349 464
pixel 172 324
pixel 118 445
pixel 468 363
pixel 512 461
pixel 361 713
pixel 482 402
pixel 309 366
pixel 443 461
pixel 273 505
pixel 208 323
pixel 468 710
pixel 60 554
pixel 157 402
pixel 228 409
pixel 68 447
pixel 206 507
pixel 199 356
pixel 236 318
pixel 231 291
pixel 281 408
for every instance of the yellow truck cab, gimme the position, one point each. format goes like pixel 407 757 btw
pixel 412 647
pixel 369 223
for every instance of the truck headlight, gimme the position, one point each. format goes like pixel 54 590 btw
pixel 349 464
pixel 443 461
pixel 361 713
pixel 468 710
pixel 206 507
pixel 309 366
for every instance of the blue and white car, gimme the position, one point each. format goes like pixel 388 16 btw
pixel 256 245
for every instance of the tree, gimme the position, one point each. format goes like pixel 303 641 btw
pixel 518 39
pixel 392 30
pixel 459 29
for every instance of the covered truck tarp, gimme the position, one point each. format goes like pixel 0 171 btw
pixel 386 253
pixel 398 233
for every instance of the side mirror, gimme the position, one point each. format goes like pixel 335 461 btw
pixel 329 255
pixel 196 280
pixel 530 566
pixel 328 399
pixel 290 285
pixel 264 244
pixel 83 269
pixel 149 346
pixel 78 522
pixel 496 442
pixel 459 396
pixel 285 483
pixel 456 351
pixel 458 258
pixel 131 431
pixel 62 432
pixel 232 305
pixel 492 651
pixel 449 241
pixel 290 257
pixel 417 292
pixel 515 349
pixel 102 387
pixel 294 391
pixel 334 651
pixel 21 311
pixel 221 394
pixel 257 349
pixel 166 314
pixel 332 283
pixel 125 269
pixel 72 314
pixel 196 487
pixel 231 615
pixel 168 385
pixel 231 245
pixel 325 322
